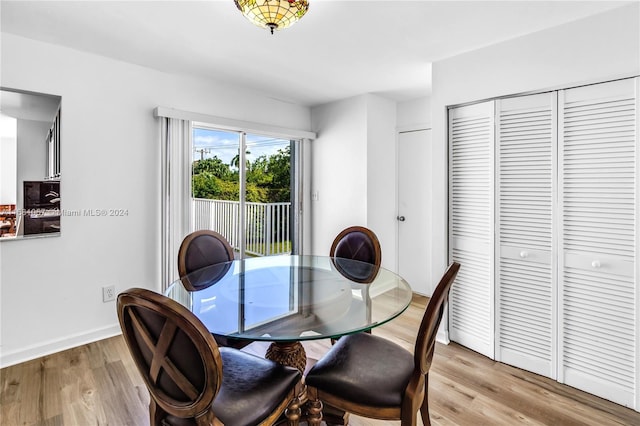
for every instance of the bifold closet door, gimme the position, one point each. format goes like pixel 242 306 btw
pixel 598 284
pixel 471 225
pixel 525 273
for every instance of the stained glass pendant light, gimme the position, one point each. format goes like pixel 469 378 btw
pixel 273 14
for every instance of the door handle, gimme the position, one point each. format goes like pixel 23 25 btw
pixel 400 218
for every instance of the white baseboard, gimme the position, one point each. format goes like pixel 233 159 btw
pixel 443 331
pixel 53 346
pixel 443 336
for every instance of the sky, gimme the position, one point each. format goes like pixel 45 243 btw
pixel 224 145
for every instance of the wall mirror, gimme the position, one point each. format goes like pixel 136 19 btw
pixel 29 164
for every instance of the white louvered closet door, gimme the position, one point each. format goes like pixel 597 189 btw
pixel 525 273
pixel 471 222
pixel 598 290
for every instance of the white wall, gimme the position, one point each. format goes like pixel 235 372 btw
pixel 338 170
pixel 51 288
pixel 381 175
pixel 8 159
pixel 32 154
pixel 353 171
pixel 597 48
pixel 414 114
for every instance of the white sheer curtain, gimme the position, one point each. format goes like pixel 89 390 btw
pixel 176 144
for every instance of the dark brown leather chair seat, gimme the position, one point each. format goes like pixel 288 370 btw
pixel 248 391
pixel 370 359
pixel 247 394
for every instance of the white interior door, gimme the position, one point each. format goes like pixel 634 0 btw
pixel 598 190
pixel 525 255
pixel 471 226
pixel 414 210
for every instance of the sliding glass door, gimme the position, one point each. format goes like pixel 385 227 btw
pixel 246 187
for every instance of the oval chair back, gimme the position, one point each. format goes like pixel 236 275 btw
pixel 193 382
pixel 201 249
pixel 361 244
pixel 177 357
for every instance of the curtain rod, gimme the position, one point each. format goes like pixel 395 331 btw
pixel 234 125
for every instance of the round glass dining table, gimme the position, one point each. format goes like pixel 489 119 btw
pixel 288 299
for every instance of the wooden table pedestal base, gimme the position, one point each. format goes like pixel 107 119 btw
pixel 291 354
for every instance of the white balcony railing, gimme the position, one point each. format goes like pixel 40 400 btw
pixel 267 228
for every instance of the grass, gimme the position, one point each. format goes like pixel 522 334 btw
pixel 276 247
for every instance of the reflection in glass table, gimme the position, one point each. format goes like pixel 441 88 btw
pixel 289 299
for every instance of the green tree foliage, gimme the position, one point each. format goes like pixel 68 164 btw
pixel 235 161
pixel 206 185
pixel 258 173
pixel 268 179
pixel 214 166
pixel 279 168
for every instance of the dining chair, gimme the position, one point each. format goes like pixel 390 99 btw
pixel 361 244
pixel 358 243
pixel 194 382
pixel 200 249
pixel 205 249
pixel 372 377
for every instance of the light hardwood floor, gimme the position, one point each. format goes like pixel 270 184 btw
pixel 97 384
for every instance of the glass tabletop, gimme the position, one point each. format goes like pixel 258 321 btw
pixel 292 298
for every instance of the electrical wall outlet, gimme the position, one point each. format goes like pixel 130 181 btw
pixel 108 293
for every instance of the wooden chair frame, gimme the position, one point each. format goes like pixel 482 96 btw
pixel 177 317
pixel 416 393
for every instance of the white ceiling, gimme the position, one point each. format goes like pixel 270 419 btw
pixel 339 49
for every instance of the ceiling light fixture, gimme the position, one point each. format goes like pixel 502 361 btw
pixel 273 14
